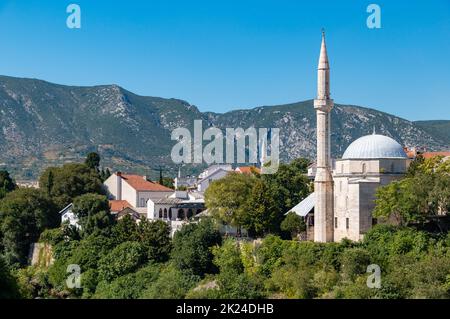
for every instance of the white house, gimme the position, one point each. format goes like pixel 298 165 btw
pixel 213 173
pixel 134 189
pixel 176 209
pixel 68 216
pixel 180 205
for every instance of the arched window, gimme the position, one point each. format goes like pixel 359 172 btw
pixel 160 213
pixel 190 213
pixel 165 213
pixel 170 213
pixel 181 214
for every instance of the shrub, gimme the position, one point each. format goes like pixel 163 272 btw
pixel 123 259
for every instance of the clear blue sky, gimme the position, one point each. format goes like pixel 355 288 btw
pixel 225 54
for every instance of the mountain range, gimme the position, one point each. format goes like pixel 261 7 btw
pixel 45 124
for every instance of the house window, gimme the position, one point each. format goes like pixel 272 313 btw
pixel 142 202
pixel 347 223
pixel 160 213
pixel 165 213
pixel 335 222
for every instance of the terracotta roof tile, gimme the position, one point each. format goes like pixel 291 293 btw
pixel 118 205
pixel 434 154
pixel 140 184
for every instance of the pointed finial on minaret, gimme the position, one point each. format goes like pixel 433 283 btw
pixel 323 59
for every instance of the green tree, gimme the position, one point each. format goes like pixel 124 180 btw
pixel 418 197
pixel 24 214
pixel 290 183
pixel 93 161
pixel 70 181
pixel 154 237
pixel 168 182
pixel 93 213
pixel 227 198
pixel 8 285
pixel 354 261
pixel 6 183
pixel 258 203
pixel 129 286
pixel 261 211
pixel 172 283
pixel 124 230
pixel 293 224
pixel 123 259
pixel 192 247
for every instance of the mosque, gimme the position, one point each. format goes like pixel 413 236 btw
pixel 344 189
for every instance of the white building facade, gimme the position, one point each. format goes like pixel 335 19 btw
pixel 134 189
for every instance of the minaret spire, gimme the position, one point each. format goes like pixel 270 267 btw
pixel 323 183
pixel 323 88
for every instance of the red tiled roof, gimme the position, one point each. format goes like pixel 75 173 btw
pixel 248 169
pixel 118 205
pixel 140 184
pixel 434 154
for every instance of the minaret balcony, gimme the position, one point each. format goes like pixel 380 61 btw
pixel 324 105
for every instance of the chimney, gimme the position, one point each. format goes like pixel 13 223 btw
pixel 119 186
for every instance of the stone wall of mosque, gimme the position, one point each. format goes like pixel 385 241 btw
pixel 355 185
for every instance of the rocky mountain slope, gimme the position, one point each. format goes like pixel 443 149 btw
pixel 46 124
pixel 438 129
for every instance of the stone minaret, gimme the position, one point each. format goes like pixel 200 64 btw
pixel 323 183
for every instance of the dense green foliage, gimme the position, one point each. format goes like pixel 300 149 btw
pixel 192 247
pixel 92 211
pixel 8 285
pixel 24 214
pixel 125 259
pixel 293 224
pixel 6 183
pixel 423 193
pixel 258 202
pixel 93 161
pixel 65 183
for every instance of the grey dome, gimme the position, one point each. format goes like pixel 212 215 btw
pixel 374 146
